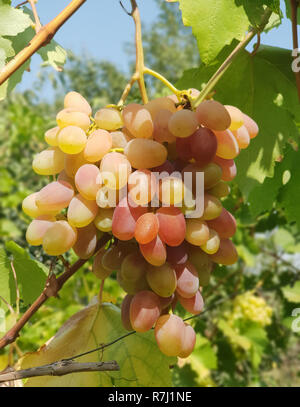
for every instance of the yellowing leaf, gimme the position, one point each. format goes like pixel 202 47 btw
pixel 141 363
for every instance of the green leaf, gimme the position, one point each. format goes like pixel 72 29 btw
pixel 31 274
pixel 2 321
pixel 215 23
pixel 141 362
pixel 263 87
pixel 12 21
pixel 7 284
pixel 204 353
pixel 233 335
pixel 53 55
pixel 292 294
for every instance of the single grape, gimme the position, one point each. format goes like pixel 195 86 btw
pixel 143 153
pixel 87 180
pixel 124 219
pixel 109 118
pixel 146 228
pixel 189 341
pixel 213 243
pixel 37 229
pixel 187 280
pixel 144 310
pixel 132 286
pixel 161 131
pixel 184 148
pixel 115 170
pixel 138 121
pixel 213 115
pixel 155 106
pixel 212 175
pixel 49 161
pixel 59 238
pixel 51 136
pixel 125 312
pixel 119 139
pixel 172 225
pixel 212 207
pixel 71 117
pixel 77 102
pixel 97 146
pixel 72 140
pixel 177 255
pixel 113 258
pixel 197 232
pixel 203 146
pixel 103 220
pixel 224 224
pixel 141 186
pixel 183 123
pixel 194 305
pixel 228 168
pixel 236 117
pixel 86 242
pixel 250 125
pixel 169 334
pixel 202 263
pixel 242 137
pixel 99 271
pixel 133 267
pixel 226 254
pixel 81 211
pixel 31 209
pixel 162 280
pixel 228 147
pixel 154 252
pixel 54 197
pixel 220 190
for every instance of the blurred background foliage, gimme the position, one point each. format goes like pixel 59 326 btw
pixel 245 336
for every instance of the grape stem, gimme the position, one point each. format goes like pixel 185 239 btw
pixel 42 38
pixel 38 24
pixel 228 61
pixel 51 289
pixel 168 84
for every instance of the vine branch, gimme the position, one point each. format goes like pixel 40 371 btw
pixel 60 368
pixel 43 37
pixel 51 289
pixel 294 18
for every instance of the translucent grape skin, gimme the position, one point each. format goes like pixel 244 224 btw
pixel 228 168
pixel 72 140
pixel 224 224
pixel 169 334
pixel 177 255
pixel 171 190
pixel 187 280
pixel 154 252
pixel 63 176
pixel 113 258
pixel 161 132
pixel 183 123
pixel 159 104
pixel 97 146
pixel 115 170
pixel 138 121
pixel 71 117
pixel 72 163
pixel 142 186
pixel 202 263
pixel 98 270
pixel 55 196
pixel 212 207
pixel 132 286
pixel 213 243
pixel 236 117
pixel 172 225
pixel 162 280
pixel 193 305
pixel 226 255
pixel 37 229
pixel 109 119
pixel 144 311
pixel 125 312
pixel 250 125
pixel 103 220
pixel 197 231
pixel 86 241
pixel 189 341
pixel 87 181
pixel 213 115
pixel 146 228
pixel 242 137
pixel 81 211
pixel 51 136
pixel 143 153
pixel 59 238
pixel 119 139
pixel 220 190
pixel 124 219
pixel 133 267
pixel 76 101
pixel 49 161
pixel 31 209
pixel 228 147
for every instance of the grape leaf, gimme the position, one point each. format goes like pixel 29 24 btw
pixel 31 274
pixel 141 362
pixel 12 20
pixel 292 294
pixel 262 87
pixel 7 284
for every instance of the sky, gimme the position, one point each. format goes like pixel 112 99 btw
pixel 101 28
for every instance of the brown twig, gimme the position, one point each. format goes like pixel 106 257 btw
pixel 38 24
pixel 294 10
pixel 257 45
pixel 52 286
pixel 61 368
pixel 43 37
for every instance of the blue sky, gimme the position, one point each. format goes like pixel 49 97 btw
pixel 101 28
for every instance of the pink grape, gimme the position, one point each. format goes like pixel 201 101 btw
pixel 213 115
pixel 226 254
pixel 87 180
pixel 183 123
pixel 172 225
pixel 59 238
pixel 37 229
pixel 76 101
pixel 187 280
pixel 115 170
pixel 194 305
pixel 228 147
pixel 125 312
pixel 81 211
pixel 138 121
pixel 228 168
pixel 224 224
pixel 144 311
pixel 169 334
pixel 98 144
pixel 177 255
pixel 146 228
pixel 55 196
pixel 86 241
pixel 154 252
pixel 189 341
pixel 250 125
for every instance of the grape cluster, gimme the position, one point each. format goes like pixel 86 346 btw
pixel 123 172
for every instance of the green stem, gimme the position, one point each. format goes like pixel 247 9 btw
pixel 163 80
pixel 228 61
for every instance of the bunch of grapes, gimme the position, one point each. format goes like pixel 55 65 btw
pixel 133 172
